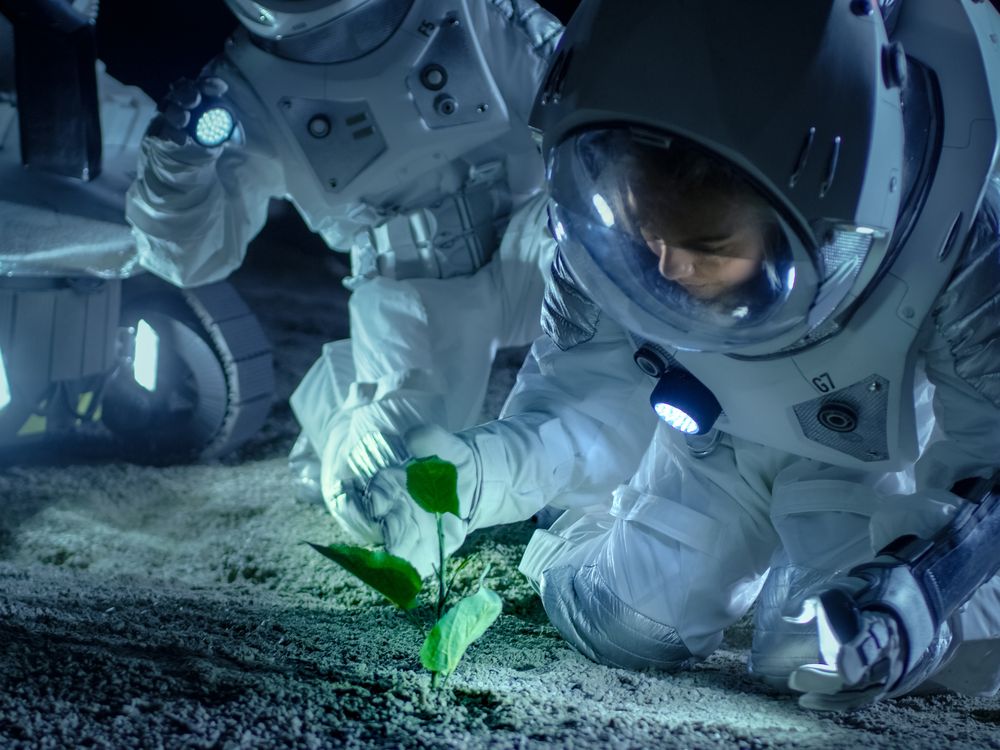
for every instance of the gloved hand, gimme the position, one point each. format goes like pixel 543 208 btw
pixel 877 638
pixel 862 650
pixel 175 111
pixel 375 508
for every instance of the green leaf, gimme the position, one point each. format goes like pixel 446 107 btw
pixel 460 626
pixel 391 576
pixel 433 484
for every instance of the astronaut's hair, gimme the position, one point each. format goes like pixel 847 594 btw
pixel 680 189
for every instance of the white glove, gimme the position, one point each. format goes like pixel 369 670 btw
pixel 857 673
pixel 863 651
pixel 375 508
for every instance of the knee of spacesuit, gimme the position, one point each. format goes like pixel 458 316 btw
pixel 780 647
pixel 605 629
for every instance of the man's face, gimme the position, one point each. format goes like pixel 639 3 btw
pixel 710 263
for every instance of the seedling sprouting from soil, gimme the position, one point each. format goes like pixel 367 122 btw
pixel 433 485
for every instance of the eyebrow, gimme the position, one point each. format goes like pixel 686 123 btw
pixel 713 245
pixel 710 239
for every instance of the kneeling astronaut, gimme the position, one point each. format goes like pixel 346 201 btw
pixel 398 129
pixel 790 221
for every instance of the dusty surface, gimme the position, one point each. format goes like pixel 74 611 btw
pixel 177 607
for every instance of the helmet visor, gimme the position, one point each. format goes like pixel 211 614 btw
pixel 295 6
pixel 678 243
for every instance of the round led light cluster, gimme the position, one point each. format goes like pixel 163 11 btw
pixel 676 418
pixel 684 402
pixel 214 127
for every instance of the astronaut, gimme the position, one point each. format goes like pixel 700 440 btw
pixel 398 129
pixel 790 221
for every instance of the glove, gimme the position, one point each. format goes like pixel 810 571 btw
pixel 862 651
pixel 374 506
pixel 869 652
pixel 174 115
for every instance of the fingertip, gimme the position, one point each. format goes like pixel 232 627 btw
pixel 802 613
pixel 184 93
pixel 213 86
pixel 175 116
pixel 433 440
pixel 815 678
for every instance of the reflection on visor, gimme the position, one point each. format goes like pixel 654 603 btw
pixel 603 210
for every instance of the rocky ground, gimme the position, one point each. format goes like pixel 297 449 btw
pixel 178 608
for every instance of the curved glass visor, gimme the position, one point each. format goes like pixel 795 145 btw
pixel 677 243
pixel 296 6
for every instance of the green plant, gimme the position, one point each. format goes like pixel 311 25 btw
pixel 433 485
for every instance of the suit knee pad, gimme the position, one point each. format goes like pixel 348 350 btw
pixel 605 629
pixel 780 647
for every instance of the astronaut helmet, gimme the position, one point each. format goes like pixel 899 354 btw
pixel 724 176
pixel 278 19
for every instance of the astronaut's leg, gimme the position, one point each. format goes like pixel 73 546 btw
pixel 315 402
pixel 386 378
pixel 653 580
pixel 421 351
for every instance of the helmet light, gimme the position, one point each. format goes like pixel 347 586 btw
pixel 684 402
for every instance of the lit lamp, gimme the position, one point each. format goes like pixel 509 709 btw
pixel 684 402
pixel 211 123
pixel 4 385
pixel 146 360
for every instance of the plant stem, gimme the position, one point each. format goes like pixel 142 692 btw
pixel 442 586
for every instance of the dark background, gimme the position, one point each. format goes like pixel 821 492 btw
pixel 151 43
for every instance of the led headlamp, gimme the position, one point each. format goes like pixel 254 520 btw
pixel 679 398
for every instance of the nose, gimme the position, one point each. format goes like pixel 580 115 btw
pixel 675 264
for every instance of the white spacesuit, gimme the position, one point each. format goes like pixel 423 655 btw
pixel 800 252
pixel 398 129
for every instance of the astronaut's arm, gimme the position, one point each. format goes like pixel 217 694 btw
pixel 578 419
pixel 890 616
pixel 518 38
pixel 963 361
pixel 574 427
pixel 193 209
pixel 582 419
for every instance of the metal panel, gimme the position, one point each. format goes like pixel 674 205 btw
pixel 98 354
pixel 30 351
pixel 69 336
pixel 868 401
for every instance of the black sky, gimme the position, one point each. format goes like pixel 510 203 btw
pixel 151 43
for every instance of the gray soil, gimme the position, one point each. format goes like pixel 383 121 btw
pixel 178 607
